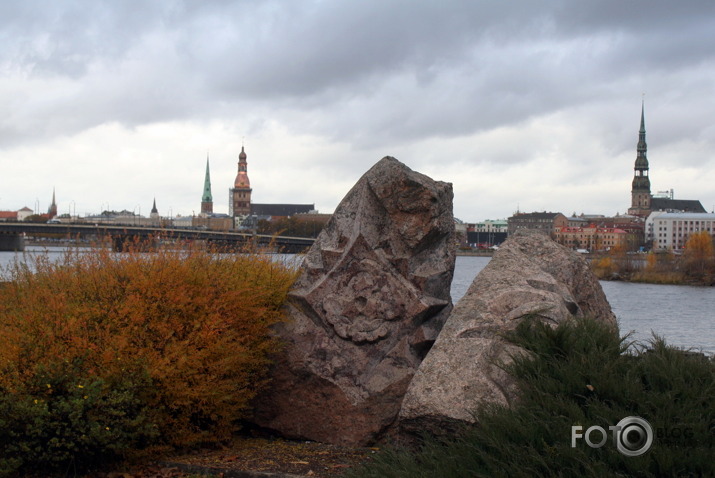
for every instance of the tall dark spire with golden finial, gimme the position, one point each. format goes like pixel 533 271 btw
pixel 640 187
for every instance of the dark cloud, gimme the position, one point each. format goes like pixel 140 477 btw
pixel 518 78
pixel 462 66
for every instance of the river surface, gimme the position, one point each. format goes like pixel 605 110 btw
pixel 683 315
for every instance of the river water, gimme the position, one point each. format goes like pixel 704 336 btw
pixel 683 315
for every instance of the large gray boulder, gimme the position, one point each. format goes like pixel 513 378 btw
pixel 373 293
pixel 529 274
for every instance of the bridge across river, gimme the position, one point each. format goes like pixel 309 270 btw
pixel 123 236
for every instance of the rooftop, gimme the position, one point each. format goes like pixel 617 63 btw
pixel 687 205
pixel 698 216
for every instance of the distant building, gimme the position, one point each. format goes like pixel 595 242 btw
pixel 240 193
pixel 8 216
pixel 207 219
pixel 640 186
pixel 279 211
pixel 576 221
pixel 642 201
pixel 671 230
pixel 632 225
pixel 274 212
pixel 679 205
pixel 182 221
pixel 207 201
pixel 547 222
pixel 154 218
pixel 490 225
pixel 214 222
pixel 591 238
pixel 24 213
pixel 247 214
pixel 52 210
pixel 487 233
pixel 154 211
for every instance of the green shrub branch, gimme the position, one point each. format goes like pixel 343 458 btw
pixel 579 373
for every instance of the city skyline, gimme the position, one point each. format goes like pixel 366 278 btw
pixel 535 107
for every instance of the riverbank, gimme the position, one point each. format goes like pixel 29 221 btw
pixel 639 268
pixel 655 268
pixel 663 278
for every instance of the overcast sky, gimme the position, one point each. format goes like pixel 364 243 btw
pixel 519 104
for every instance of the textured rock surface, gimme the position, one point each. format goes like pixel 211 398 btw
pixel 373 293
pixel 530 273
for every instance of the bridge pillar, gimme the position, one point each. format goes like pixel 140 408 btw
pixel 12 242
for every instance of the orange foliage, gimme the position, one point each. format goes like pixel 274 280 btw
pixel 603 267
pixel 197 323
pixel 699 247
pixel 651 263
pixel 699 256
pixel 660 268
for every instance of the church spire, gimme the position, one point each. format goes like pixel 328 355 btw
pixel 52 210
pixel 640 190
pixel 641 167
pixel 154 214
pixel 207 202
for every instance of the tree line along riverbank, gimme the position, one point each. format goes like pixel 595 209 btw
pixel 695 265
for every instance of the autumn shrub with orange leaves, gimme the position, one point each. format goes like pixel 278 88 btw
pixel 699 257
pixel 603 267
pixel 103 353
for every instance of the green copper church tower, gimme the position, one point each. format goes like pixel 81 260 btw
pixel 207 202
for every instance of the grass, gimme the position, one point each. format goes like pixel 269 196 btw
pixel 580 373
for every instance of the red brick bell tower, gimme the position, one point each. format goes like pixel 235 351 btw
pixel 240 193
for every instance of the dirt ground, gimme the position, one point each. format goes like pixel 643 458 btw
pixel 272 456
